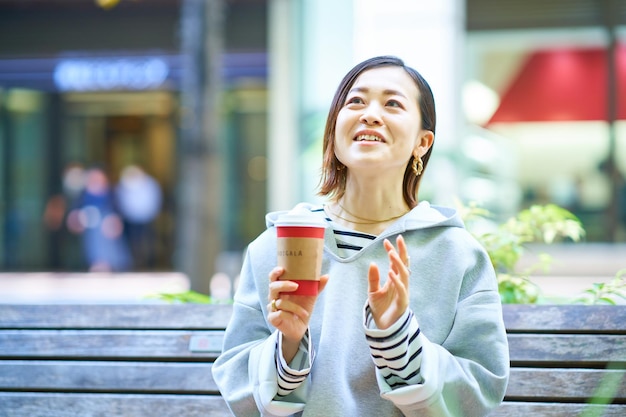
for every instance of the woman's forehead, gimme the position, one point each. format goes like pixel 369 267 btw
pixel 386 79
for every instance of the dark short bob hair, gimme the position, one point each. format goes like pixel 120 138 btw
pixel 333 178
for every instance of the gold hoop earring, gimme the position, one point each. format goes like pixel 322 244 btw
pixel 418 166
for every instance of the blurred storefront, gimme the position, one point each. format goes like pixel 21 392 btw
pixel 545 88
pixel 83 86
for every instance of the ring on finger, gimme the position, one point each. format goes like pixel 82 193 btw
pixel 274 305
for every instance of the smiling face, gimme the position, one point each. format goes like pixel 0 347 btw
pixel 334 173
pixel 379 125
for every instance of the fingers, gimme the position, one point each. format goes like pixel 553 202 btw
pixel 403 251
pixel 280 299
pixel 277 286
pixel 399 284
pixel 390 252
pixel 399 272
pixel 399 259
pixel 280 305
pixel 290 314
pixel 323 282
pixel 373 278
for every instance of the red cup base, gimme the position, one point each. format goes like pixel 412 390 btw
pixel 306 287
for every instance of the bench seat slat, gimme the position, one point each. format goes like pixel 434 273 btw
pixel 564 318
pixel 566 384
pixel 140 316
pixel 598 349
pixel 23 404
pixel 114 344
pixel 91 376
pixel 528 409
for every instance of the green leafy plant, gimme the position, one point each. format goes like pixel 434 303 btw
pixel 186 297
pixel 606 292
pixel 506 243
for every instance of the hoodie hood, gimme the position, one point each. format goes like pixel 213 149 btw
pixel 423 216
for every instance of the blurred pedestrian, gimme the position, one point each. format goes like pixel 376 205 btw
pixel 139 198
pixel 57 206
pixel 65 247
pixel 96 219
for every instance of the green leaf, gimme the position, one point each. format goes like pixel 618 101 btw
pixel 608 300
pixel 186 297
pixel 506 244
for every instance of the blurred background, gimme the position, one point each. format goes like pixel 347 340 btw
pixel 153 135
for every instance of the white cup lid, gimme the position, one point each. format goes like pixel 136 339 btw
pixel 300 217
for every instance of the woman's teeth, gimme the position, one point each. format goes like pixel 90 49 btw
pixel 368 138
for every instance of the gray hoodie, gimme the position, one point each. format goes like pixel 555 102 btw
pixel 453 295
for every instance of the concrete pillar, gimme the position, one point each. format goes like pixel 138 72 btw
pixel 283 114
pixel 199 234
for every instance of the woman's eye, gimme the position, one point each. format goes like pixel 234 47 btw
pixel 394 103
pixel 354 100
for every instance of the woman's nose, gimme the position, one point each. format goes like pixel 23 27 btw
pixel 371 115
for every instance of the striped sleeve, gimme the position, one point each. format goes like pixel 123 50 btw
pixel 396 351
pixel 292 375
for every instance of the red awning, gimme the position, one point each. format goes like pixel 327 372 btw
pixel 563 85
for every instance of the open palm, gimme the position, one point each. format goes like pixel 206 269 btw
pixel 389 302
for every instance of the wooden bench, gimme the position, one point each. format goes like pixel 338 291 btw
pixel 110 360
pixel 564 356
pixel 155 360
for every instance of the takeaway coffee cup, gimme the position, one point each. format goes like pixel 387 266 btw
pixel 300 244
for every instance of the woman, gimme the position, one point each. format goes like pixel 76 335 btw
pixel 409 329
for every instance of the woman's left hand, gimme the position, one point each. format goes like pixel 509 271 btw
pixel 389 302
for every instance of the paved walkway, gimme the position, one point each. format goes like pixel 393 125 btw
pixel 579 259
pixel 575 268
pixel 94 287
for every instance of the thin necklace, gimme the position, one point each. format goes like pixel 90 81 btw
pixel 365 221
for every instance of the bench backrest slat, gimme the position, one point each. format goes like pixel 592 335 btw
pixel 587 350
pixel 108 344
pixel 111 405
pixel 566 385
pixel 93 376
pixel 530 409
pixel 565 318
pixel 149 316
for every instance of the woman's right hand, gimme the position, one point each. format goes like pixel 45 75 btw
pixel 292 313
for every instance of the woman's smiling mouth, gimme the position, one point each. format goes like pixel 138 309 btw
pixel 369 137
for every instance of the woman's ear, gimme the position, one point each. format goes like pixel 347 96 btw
pixel 424 142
